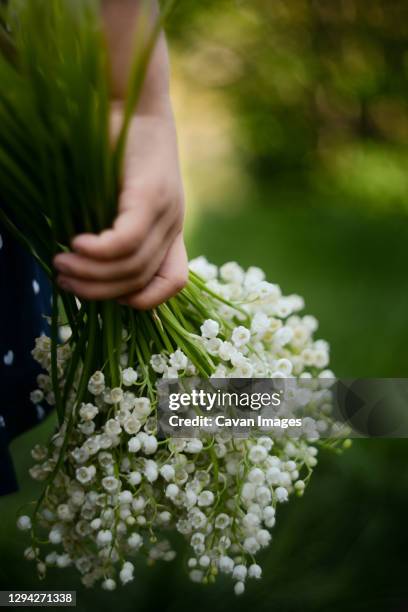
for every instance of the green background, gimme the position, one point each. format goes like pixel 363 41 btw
pixel 317 94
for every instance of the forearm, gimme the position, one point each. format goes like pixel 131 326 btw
pixel 121 19
pixel 141 259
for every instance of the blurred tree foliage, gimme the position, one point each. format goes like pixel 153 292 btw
pixel 319 90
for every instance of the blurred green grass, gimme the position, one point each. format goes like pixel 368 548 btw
pixel 349 266
pixel 343 544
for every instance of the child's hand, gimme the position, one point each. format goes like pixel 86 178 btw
pixel 141 260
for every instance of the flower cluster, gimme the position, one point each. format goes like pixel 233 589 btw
pixel 115 487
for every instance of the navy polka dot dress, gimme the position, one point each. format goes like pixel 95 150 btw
pixel 25 297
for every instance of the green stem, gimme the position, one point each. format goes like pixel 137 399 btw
pixel 54 356
pixel 109 332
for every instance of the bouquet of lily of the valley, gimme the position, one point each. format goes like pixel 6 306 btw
pixel 112 486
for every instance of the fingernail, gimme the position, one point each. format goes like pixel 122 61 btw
pixel 64 283
pixel 76 247
pixel 61 266
pixel 78 242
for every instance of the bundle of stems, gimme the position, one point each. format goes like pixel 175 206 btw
pixel 60 175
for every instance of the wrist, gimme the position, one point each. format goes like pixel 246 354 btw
pixel 158 106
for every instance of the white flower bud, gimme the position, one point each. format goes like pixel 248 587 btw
pixel 104 537
pixel 239 588
pixel 150 470
pixel 96 524
pixel 206 498
pixel 251 545
pixel 165 516
pixel 172 490
pixel 256 476
pixel 281 494
pixel 255 571
pixel 257 454
pixel 149 445
pixel 264 537
pixel 87 412
pixel 204 561
pixel 167 471
pixel 63 560
pixel 226 564
pixel 135 478
pixel 178 360
pixel 55 536
pixel 110 484
pixel 116 395
pixel 24 522
pixel 134 445
pixel 109 584
pixel 194 446
pixel 241 336
pixel 135 541
pixel 239 572
pixel 210 329
pixel 129 377
pixel 125 497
